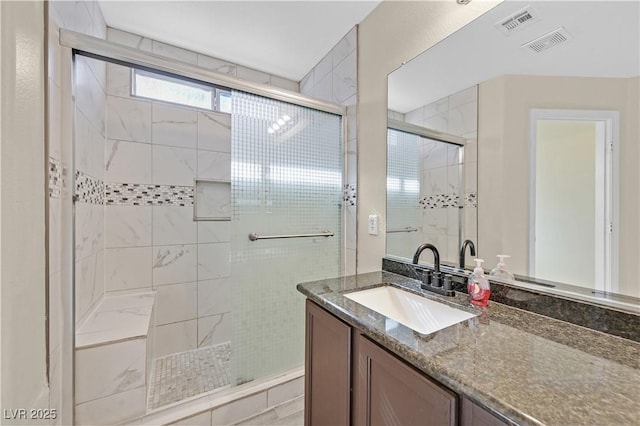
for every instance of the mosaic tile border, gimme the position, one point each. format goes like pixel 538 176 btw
pixel 349 194
pixel 94 191
pixel 440 201
pixel 55 178
pixel 133 194
pixel 471 200
pixel 443 201
pixel 89 189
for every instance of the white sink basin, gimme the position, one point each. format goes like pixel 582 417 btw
pixel 418 313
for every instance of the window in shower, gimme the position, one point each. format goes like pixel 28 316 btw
pixel 155 86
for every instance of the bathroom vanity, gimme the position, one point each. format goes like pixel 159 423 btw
pixel 502 366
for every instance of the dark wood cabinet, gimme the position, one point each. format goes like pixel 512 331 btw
pixel 387 391
pixel 327 369
pixel 474 415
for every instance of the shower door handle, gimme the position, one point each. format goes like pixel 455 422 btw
pixel 254 237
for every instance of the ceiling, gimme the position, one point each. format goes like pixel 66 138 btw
pixel 604 41
pixel 284 38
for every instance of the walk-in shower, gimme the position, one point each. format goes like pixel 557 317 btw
pixel 173 296
pixel 425 191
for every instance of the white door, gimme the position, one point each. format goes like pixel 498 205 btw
pixel 573 197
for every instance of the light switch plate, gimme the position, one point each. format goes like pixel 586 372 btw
pixel 373 224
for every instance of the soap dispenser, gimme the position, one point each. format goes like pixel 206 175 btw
pixel 500 271
pixel 478 288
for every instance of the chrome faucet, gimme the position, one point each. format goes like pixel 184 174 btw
pixel 463 248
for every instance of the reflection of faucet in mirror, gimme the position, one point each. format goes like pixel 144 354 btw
pixel 463 248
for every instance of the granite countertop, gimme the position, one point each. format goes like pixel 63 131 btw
pixel 524 367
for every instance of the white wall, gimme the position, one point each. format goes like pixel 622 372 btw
pixel 61 329
pixel 630 246
pixel 23 369
pixel 503 159
pixel 393 33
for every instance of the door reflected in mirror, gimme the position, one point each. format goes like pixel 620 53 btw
pixel 562 221
pixel 573 179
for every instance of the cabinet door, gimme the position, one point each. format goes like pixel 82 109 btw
pixel 474 415
pixel 327 369
pixel 387 391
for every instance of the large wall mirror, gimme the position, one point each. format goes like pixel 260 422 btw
pixel 536 154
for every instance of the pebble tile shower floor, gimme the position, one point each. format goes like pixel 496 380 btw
pixel 187 374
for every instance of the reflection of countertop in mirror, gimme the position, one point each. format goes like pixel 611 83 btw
pixel 573 292
pixel 522 366
pixel 539 299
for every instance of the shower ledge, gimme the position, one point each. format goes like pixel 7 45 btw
pixel 117 318
pixel 114 348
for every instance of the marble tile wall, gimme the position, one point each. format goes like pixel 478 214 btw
pixel 85 17
pixel 154 152
pixel 89 135
pixel 456 114
pixel 214 64
pixel 113 359
pixel 242 409
pixel 335 79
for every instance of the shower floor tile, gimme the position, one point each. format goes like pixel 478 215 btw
pixel 187 374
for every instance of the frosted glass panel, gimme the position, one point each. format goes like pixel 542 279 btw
pixel 403 193
pixel 286 179
pixel 425 187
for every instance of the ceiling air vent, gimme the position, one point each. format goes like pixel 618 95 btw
pixel 547 41
pixel 518 20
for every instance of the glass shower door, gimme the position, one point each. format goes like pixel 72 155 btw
pixel 287 164
pixel 404 215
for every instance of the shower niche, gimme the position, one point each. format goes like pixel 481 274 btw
pixel 212 200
